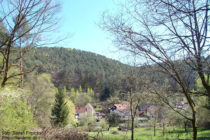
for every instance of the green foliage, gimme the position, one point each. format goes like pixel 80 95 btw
pixel 147 134
pixel 175 119
pixel 80 89
pixel 82 70
pixel 199 85
pixel 73 94
pixel 113 120
pixel 204 105
pixel 12 71
pixel 86 121
pixel 104 124
pixel 15 115
pixel 82 100
pixel 90 92
pixel 76 69
pixel 106 93
pixel 71 115
pixel 40 97
pixel 203 118
pixel 60 111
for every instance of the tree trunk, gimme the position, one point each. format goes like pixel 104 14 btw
pixel 163 129
pixel 132 128
pixel 6 65
pixel 202 77
pixel 154 129
pixel 21 66
pixel 194 125
pixel 7 58
pixel 185 126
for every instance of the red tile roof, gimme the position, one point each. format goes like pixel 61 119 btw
pixel 81 110
pixel 121 107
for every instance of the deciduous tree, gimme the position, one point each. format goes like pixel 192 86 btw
pixel 167 33
pixel 40 15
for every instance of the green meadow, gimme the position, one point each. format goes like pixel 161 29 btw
pixel 148 134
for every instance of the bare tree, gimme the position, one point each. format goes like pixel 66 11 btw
pixel 134 102
pixel 174 101
pixel 167 33
pixel 133 86
pixel 26 24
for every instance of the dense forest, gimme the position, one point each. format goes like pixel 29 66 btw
pixel 74 68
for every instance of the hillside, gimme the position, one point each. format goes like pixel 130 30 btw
pixel 74 68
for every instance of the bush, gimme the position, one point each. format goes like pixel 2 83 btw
pixel 203 118
pixel 15 115
pixel 104 125
pixel 113 120
pixel 64 134
pixel 87 120
pixel 40 97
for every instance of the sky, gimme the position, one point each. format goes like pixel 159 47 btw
pixel 80 23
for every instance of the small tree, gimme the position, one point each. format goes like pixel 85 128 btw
pixel 40 97
pixel 86 121
pixel 14 112
pixel 133 86
pixel 113 120
pixel 60 110
pixel 71 116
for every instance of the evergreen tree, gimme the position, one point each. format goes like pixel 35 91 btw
pixel 80 89
pixel 90 92
pixel 60 110
pixel 72 94
pixel 105 94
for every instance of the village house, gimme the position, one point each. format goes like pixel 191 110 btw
pixel 144 111
pixel 86 110
pixel 123 110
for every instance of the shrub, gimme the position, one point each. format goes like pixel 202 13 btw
pixel 86 120
pixel 15 115
pixel 64 134
pixel 40 97
pixel 104 125
pixel 113 120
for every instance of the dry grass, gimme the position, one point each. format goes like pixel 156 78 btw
pixel 64 134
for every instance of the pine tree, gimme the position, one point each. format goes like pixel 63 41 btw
pixel 80 89
pixel 73 94
pixel 60 110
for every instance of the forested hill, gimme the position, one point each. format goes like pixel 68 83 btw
pixel 74 68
